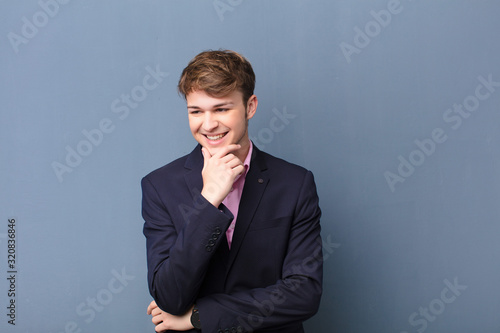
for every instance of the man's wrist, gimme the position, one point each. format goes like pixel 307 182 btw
pixel 195 318
pixel 215 201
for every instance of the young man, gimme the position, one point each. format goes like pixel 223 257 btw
pixel 233 233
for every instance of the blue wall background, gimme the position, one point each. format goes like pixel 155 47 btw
pixel 394 105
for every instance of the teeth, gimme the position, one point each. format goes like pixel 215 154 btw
pixel 216 137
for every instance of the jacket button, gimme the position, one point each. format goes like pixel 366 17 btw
pixel 260 180
pixel 208 248
pixel 217 231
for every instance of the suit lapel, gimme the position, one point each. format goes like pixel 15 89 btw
pixel 194 165
pixel 255 184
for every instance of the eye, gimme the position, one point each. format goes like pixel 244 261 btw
pixel 221 110
pixel 194 112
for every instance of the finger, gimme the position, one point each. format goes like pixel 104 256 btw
pixel 151 306
pixel 228 158
pixel 160 328
pixel 156 311
pixel 227 149
pixel 234 162
pixel 239 169
pixel 157 320
pixel 231 158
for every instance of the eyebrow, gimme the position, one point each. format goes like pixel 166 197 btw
pixel 228 103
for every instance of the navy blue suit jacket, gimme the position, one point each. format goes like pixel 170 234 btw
pixel 271 278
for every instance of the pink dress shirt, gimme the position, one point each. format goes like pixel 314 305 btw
pixel 232 200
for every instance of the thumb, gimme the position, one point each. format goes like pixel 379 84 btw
pixel 206 156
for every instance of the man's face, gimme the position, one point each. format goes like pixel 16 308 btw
pixel 217 122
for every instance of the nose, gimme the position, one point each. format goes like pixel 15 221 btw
pixel 209 122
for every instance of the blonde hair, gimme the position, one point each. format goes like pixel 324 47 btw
pixel 218 73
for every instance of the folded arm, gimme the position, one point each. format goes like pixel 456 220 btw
pixel 179 251
pixel 292 299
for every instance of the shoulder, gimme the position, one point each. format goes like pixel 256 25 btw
pixel 171 171
pixel 169 168
pixel 275 164
pixel 279 168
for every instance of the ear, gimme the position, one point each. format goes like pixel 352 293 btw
pixel 252 106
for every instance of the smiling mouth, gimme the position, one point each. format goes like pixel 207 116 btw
pixel 215 137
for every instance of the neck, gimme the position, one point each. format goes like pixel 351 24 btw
pixel 243 151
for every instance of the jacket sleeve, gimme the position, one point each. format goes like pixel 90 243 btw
pixel 179 252
pixel 292 299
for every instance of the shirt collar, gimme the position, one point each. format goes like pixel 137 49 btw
pixel 246 163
